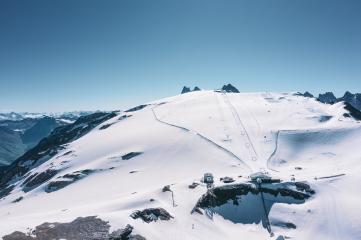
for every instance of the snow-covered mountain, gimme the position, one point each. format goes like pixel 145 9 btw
pixel 66 116
pixel 353 99
pixel 20 132
pixel 144 167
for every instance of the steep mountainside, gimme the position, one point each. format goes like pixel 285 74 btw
pixel 353 99
pixel 27 129
pixel 11 145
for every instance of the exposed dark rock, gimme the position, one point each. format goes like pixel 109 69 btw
pixel 193 185
pixel 66 180
pixel 230 88
pixel 353 99
pixel 18 200
pixel 324 118
pixel 306 94
pixel 227 180
pixel 131 155
pixel 151 214
pixel 185 90
pixel 67 153
pixel 18 236
pixel 332 176
pixel 352 111
pixel 57 185
pixel 327 97
pixel 4 192
pixel 137 108
pixel 105 126
pixel 82 228
pixel 166 188
pixel 288 225
pixel 197 210
pixel 122 233
pixel 37 179
pixel 136 237
pixel 124 117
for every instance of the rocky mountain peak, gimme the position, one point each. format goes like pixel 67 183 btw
pixel 230 88
pixel 185 90
pixel 188 89
pixel 327 97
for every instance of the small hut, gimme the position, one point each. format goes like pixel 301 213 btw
pixel 208 178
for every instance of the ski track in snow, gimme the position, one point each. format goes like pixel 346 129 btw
pixel 201 136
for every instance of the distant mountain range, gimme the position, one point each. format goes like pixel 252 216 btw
pixel 17 116
pixel 328 97
pixel 20 132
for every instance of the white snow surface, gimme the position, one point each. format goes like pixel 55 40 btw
pixel 185 136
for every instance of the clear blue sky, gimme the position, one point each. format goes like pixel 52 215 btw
pixel 86 54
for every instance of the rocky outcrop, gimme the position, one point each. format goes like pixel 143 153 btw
pixel 327 97
pixel 151 215
pixel 230 88
pixel 353 99
pixel 131 155
pixel 82 228
pixel 137 108
pixel 305 94
pixel 227 179
pixel 352 111
pixel 188 89
pixel 37 179
pixel 67 179
pixel 185 90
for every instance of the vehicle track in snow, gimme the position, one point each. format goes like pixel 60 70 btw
pixel 199 135
pixel 273 153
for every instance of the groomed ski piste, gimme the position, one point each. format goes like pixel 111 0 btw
pixel 185 136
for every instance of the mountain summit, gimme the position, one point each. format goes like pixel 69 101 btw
pixel 230 88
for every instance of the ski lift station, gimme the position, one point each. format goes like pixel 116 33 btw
pixel 208 178
pixel 260 177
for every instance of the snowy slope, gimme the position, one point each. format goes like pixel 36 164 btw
pixel 181 138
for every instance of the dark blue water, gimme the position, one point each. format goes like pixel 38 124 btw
pixel 249 208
